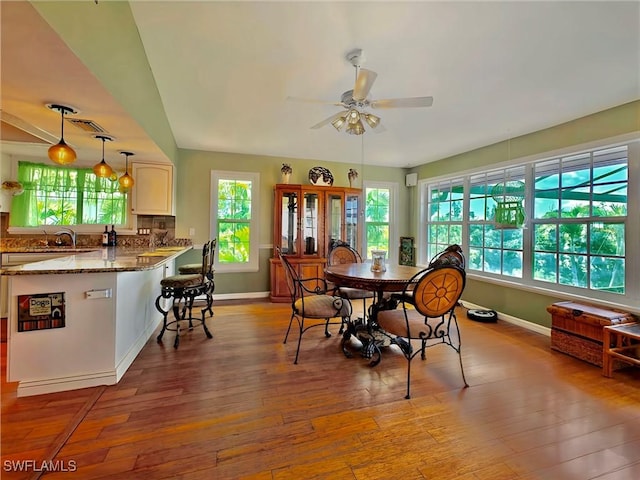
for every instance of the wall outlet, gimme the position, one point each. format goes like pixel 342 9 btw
pixel 192 231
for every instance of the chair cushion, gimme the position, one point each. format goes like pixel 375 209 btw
pixel 182 281
pixel 393 322
pixel 323 306
pixel 190 268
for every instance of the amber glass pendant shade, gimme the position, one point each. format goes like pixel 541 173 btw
pixel 61 153
pixel 126 181
pixel 102 169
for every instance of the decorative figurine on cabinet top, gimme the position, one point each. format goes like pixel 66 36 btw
pixel 320 176
pixel 286 171
pixel 353 174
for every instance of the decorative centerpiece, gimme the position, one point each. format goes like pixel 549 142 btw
pixel 320 176
pixel 353 174
pixel 378 261
pixel 286 171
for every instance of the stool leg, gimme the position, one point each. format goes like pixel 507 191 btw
pixel 607 364
pixel 162 296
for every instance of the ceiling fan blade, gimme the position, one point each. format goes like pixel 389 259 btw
pixel 364 82
pixel 312 100
pixel 410 102
pixel 327 121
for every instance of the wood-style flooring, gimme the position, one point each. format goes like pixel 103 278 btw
pixel 236 407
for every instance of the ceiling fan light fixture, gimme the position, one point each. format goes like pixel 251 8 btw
pixel 102 169
pixel 355 128
pixel 353 116
pixel 339 122
pixel 61 153
pixel 372 120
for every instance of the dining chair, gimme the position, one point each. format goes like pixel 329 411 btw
pixel 310 299
pixel 183 289
pixel 452 255
pixel 427 315
pixel 341 253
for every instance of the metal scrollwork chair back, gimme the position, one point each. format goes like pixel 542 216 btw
pixel 310 300
pixel 342 253
pixel 427 315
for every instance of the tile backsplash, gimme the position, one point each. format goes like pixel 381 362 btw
pixel 161 231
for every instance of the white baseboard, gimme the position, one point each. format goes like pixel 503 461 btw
pixel 52 385
pixel 135 349
pixel 236 296
pixel 534 327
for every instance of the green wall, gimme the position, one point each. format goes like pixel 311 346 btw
pixel 193 199
pixel 527 305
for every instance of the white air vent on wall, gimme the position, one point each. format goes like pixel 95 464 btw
pixel 86 125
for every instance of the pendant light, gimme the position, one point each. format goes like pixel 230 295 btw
pixel 102 169
pixel 126 181
pixel 61 153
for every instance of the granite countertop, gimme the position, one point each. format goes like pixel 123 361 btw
pixel 99 259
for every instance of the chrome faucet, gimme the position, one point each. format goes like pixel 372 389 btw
pixel 66 231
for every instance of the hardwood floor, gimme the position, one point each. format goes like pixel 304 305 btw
pixel 236 407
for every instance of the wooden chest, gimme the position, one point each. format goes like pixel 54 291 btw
pixel 577 328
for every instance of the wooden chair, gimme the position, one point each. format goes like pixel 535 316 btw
pixel 427 315
pixel 182 289
pixel 341 253
pixel 310 300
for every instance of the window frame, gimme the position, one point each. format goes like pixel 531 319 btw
pixel 630 299
pixel 254 223
pixel 392 253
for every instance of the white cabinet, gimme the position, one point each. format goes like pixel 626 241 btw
pixel 153 190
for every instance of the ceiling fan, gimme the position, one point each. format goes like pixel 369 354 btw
pixel 356 102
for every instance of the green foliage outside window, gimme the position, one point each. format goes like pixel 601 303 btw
pixel 66 196
pixel 577 230
pixel 234 220
pixel 377 219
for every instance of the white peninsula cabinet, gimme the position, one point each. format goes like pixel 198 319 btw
pixel 153 190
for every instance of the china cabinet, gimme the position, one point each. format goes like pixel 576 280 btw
pixel 307 218
pixel 153 190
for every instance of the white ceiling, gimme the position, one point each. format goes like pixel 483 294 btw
pixel 224 71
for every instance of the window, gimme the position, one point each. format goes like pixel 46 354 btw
pixel 66 196
pixel 379 228
pixel 234 204
pixel 559 223
pixel 579 220
pixel 494 245
pixel 445 210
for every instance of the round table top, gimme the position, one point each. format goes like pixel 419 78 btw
pixel 359 275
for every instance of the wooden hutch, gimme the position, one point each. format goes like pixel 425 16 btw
pixel 306 219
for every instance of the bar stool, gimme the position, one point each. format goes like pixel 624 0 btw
pixel 191 268
pixel 182 289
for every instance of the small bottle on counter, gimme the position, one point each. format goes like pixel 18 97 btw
pixel 105 237
pixel 113 238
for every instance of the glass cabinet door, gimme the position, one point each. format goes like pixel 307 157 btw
pixel 352 208
pixel 310 218
pixel 289 215
pixel 334 218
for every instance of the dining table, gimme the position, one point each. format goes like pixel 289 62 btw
pixel 393 279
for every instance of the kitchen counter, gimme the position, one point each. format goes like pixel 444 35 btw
pixel 79 320
pixel 102 259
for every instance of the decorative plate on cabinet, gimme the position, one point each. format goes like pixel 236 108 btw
pixel 320 176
